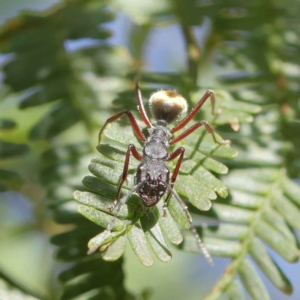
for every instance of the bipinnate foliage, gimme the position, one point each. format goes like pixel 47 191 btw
pixel 252 209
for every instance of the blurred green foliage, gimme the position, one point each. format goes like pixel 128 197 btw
pixel 64 75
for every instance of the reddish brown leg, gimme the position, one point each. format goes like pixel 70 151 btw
pixel 132 121
pixel 179 152
pixel 193 112
pixel 141 107
pixel 131 149
pixel 192 129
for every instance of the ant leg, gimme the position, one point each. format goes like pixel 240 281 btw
pixel 193 128
pixel 124 200
pixel 192 228
pixel 179 152
pixel 131 150
pixel 209 94
pixel 141 106
pixel 132 120
pixel 110 226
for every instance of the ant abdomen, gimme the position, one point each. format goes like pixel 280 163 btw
pixel 167 105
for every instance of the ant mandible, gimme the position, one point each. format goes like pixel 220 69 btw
pixel 152 176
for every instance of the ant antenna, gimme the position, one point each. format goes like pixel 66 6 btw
pixel 192 228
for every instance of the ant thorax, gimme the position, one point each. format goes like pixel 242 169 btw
pixel 156 146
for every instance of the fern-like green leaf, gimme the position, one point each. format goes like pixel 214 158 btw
pixel 257 219
pixel 55 97
pixel 39 42
pixel 153 227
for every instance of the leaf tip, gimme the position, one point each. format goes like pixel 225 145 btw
pixel 288 290
pixel 234 154
pixel 76 194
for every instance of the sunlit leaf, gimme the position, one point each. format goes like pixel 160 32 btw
pixel 138 243
pixel 269 267
pixel 252 282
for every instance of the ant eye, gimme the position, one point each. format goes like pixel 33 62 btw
pixel 167 105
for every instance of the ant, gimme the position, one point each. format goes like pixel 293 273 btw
pixel 152 179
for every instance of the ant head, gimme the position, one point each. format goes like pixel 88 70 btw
pixel 167 105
